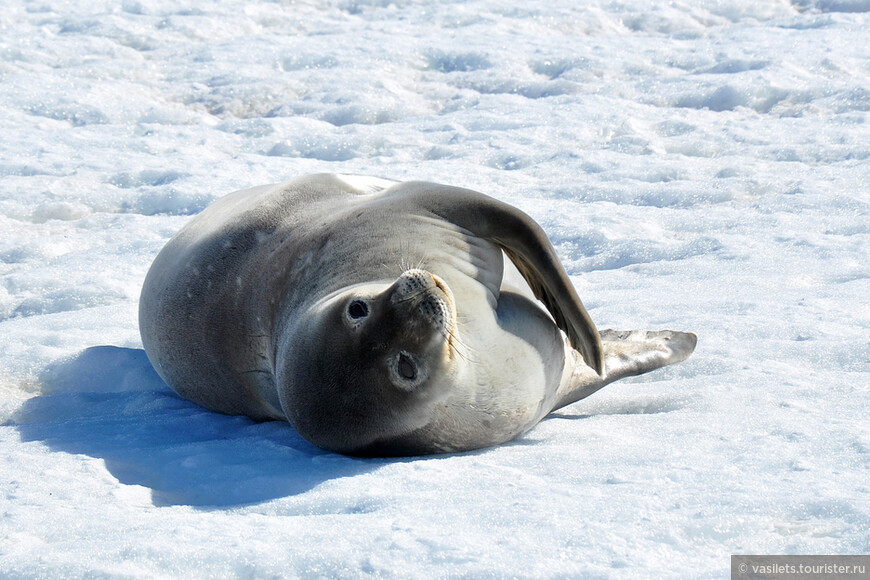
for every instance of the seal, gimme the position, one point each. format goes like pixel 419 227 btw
pixel 378 317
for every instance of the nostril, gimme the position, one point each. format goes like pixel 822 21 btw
pixel 412 283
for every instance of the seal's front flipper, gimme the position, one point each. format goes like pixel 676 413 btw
pixel 626 354
pixel 526 244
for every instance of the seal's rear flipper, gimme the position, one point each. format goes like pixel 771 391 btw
pixel 626 354
pixel 634 352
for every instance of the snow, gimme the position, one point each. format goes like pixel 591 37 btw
pixel 700 166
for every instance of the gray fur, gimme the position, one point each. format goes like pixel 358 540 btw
pixel 374 316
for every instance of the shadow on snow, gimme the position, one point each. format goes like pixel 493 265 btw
pixel 109 403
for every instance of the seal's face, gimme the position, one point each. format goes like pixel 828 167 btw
pixel 368 365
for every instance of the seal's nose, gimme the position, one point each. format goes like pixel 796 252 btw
pixel 426 298
pixel 412 283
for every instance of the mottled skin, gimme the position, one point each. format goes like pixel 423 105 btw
pixel 374 316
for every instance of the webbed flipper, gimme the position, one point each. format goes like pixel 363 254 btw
pixel 526 244
pixel 626 354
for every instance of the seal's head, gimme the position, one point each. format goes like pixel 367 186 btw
pixel 365 365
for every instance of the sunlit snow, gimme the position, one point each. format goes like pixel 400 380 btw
pixel 700 166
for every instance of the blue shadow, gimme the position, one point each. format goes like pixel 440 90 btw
pixel 109 403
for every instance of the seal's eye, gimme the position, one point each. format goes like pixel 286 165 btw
pixel 406 368
pixel 358 309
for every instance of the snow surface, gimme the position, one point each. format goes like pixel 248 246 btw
pixel 700 166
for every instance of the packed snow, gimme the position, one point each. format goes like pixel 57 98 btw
pixel 699 166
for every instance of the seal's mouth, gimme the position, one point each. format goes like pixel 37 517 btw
pixel 449 327
pixel 442 285
pixel 431 297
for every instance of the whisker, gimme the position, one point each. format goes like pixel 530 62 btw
pixel 455 342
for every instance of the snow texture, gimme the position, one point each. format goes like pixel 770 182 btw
pixel 701 166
